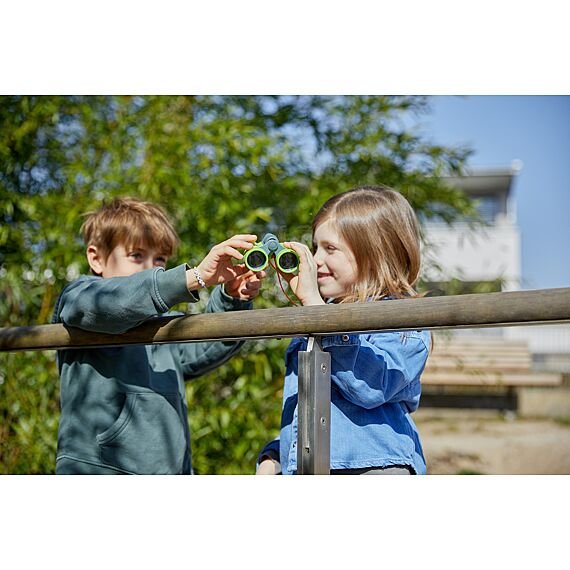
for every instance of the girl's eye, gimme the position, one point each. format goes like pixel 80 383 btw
pixel 331 248
pixel 135 255
pixel 161 260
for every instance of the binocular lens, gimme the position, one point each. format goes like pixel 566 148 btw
pixel 256 260
pixel 288 261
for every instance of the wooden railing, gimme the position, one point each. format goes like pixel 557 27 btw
pixel 463 311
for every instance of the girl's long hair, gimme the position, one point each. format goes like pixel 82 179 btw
pixel 381 229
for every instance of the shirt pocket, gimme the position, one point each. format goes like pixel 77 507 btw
pixel 148 437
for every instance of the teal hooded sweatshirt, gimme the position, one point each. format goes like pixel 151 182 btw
pixel 123 409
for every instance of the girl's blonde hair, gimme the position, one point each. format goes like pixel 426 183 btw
pixel 129 222
pixel 382 231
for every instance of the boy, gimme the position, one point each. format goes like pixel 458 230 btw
pixel 123 409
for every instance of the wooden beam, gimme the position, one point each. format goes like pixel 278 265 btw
pixel 543 306
pixel 482 378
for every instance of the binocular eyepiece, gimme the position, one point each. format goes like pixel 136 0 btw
pixel 257 258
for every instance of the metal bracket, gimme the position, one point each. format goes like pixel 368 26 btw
pixel 314 410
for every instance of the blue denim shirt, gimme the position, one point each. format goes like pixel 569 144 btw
pixel 375 385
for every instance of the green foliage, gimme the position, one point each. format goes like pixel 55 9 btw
pixel 234 415
pixel 457 286
pixel 30 412
pixel 219 165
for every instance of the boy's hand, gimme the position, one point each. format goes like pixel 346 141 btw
pixel 217 266
pixel 246 286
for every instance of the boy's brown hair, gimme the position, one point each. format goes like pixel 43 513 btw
pixel 129 222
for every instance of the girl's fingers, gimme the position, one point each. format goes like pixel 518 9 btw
pixel 289 277
pixel 305 255
pixel 293 245
pixel 300 248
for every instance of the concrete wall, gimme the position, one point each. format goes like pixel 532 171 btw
pixel 544 402
pixel 474 255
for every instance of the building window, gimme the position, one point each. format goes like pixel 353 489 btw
pixel 488 206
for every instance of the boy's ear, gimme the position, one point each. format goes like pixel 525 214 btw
pixel 95 260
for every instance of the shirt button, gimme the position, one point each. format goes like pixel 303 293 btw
pixel 345 338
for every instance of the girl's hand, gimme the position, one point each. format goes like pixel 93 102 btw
pixel 246 286
pixel 304 284
pixel 217 266
pixel 269 467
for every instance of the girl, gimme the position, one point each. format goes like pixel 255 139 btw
pixel 366 248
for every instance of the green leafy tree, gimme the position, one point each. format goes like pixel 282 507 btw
pixel 220 165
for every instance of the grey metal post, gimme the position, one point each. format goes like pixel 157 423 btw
pixel 314 410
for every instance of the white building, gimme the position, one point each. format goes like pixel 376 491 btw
pixel 491 255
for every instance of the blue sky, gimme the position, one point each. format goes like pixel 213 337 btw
pixel 535 130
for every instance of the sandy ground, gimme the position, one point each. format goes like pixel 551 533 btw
pixel 489 442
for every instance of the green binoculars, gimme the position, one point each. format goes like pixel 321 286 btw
pixel 257 258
